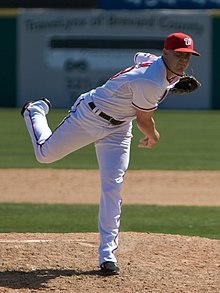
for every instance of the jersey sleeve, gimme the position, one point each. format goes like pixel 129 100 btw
pixel 146 94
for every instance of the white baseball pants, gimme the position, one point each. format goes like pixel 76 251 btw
pixel 80 128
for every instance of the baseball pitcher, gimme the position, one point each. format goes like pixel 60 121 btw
pixel 104 116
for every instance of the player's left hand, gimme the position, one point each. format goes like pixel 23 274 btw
pixel 186 85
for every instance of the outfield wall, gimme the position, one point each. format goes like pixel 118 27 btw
pixel 215 60
pixel 61 54
pixel 8 82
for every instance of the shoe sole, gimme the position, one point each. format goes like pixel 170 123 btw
pixel 29 103
pixel 25 108
pixel 109 273
pixel 47 102
pixel 109 269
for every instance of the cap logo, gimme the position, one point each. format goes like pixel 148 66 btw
pixel 188 41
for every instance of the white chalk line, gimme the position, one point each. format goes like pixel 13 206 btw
pixel 82 243
pixel 25 241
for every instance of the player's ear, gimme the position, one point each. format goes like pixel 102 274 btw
pixel 165 51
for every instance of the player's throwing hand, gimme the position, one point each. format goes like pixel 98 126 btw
pixel 148 143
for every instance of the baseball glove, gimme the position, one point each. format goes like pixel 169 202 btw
pixel 186 85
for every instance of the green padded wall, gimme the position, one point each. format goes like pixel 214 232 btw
pixel 7 58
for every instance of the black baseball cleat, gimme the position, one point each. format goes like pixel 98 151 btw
pixel 26 105
pixel 47 102
pixel 109 268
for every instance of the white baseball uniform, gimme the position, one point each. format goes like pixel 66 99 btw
pixel 141 86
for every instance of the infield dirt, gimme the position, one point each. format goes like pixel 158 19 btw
pixel 148 262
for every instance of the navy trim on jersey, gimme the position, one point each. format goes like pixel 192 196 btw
pixel 163 96
pixel 150 109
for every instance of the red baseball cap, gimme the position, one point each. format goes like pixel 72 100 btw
pixel 180 42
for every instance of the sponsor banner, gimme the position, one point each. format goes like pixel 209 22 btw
pixel 150 4
pixel 62 54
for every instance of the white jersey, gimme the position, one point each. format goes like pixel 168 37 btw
pixel 142 86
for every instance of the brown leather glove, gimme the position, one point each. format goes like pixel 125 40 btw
pixel 186 85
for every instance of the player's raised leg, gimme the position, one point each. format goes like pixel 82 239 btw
pixel 70 135
pixel 34 114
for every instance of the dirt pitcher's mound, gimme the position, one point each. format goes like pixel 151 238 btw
pixel 148 263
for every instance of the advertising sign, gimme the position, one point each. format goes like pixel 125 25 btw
pixel 62 54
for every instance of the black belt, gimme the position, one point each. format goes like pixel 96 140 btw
pixel 105 116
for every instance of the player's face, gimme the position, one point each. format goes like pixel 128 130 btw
pixel 177 61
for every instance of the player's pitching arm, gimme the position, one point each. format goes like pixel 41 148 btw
pixel 146 125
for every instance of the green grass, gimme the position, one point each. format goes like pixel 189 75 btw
pixel 16 217
pixel 192 221
pixel 181 220
pixel 189 141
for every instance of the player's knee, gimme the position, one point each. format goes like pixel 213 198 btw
pixel 44 159
pixel 112 184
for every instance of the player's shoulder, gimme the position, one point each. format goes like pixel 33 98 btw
pixel 151 78
pixel 143 57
